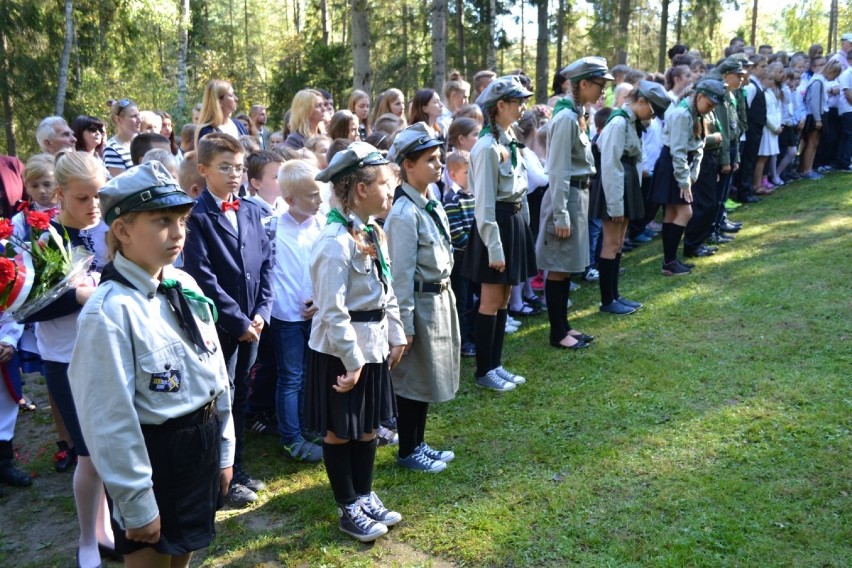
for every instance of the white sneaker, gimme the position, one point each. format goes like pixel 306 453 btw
pixel 513 322
pixel 510 329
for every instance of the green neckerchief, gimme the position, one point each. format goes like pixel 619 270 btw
pixel 684 103
pixel 335 216
pixel 194 298
pixel 430 209
pixel 640 128
pixel 564 103
pixel 514 145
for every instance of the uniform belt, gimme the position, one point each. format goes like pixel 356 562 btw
pixel 513 206
pixel 431 287
pixel 201 416
pixel 362 316
pixel 580 182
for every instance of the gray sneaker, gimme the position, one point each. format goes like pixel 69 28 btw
pixel 445 456
pixel 239 495
pixel 509 376
pixel 418 461
pixel 303 451
pixel 358 525
pixel 374 509
pixel 386 436
pixel 492 381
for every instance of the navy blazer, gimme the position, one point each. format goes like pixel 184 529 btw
pixel 234 270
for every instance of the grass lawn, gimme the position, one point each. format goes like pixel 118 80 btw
pixel 712 428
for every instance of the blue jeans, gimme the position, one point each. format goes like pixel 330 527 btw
pixel 291 355
pixel 595 242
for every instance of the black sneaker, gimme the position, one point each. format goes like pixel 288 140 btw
pixel 373 508
pixel 240 495
pixel 675 268
pixel 245 479
pixel 356 524
pixel 11 475
pixel 262 423
pixel 468 349
pixel 64 458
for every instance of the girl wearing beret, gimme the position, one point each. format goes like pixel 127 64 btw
pixel 500 252
pixel 677 167
pixel 563 239
pixel 356 338
pixel 618 194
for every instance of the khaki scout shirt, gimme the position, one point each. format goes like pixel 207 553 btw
pixel 569 155
pixel 679 136
pixel 618 139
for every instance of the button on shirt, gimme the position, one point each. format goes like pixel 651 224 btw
pixel 126 339
pixel 291 273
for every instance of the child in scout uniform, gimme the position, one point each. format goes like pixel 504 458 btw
pixel 149 380
pixel 422 254
pixel 619 196
pixel 562 247
pixel 500 250
pixel 356 338
pixel 677 167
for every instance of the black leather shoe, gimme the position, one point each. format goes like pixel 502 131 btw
pixel 11 475
pixel 736 224
pixel 729 228
pixel 697 252
pixel 751 199
pixel 630 303
pixel 583 337
pixel 711 249
pixel 575 347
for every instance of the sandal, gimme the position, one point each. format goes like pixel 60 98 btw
pixel 533 301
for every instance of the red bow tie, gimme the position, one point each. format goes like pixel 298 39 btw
pixel 231 205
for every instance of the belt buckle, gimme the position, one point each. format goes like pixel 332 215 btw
pixel 209 409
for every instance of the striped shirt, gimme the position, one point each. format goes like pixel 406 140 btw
pixel 117 155
pixel 459 205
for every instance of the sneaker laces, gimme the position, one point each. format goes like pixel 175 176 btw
pixel 357 516
pixel 421 457
pixel 372 505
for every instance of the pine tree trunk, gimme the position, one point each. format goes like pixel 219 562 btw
pixel 439 44
pixel 541 49
pixel 560 34
pixel 664 29
pixel 183 41
pixel 754 23
pixel 361 45
pixel 62 89
pixel 460 33
pixel 325 23
pixel 5 87
pixel 623 31
pixel 490 48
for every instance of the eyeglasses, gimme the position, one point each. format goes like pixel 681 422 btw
pixel 95 128
pixel 226 169
pixel 599 84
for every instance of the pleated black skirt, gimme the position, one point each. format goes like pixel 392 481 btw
pixel 518 250
pixel 352 414
pixel 664 187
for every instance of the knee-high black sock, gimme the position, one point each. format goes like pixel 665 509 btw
pixel 605 283
pixel 363 457
pixel 566 290
pixel 671 240
pixel 499 335
pixel 615 277
pixel 557 309
pixel 421 424
pixel 338 467
pixel 411 423
pixel 484 329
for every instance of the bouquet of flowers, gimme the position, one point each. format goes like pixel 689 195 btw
pixel 35 271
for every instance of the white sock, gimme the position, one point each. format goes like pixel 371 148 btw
pixel 88 493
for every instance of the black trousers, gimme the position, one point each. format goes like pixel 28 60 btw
pixel 705 199
pixel 829 140
pixel 748 157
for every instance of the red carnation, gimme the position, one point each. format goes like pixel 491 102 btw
pixel 6 229
pixel 8 272
pixel 38 220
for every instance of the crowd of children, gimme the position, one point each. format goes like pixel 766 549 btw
pixel 331 275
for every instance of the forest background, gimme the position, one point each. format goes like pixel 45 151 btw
pixel 68 57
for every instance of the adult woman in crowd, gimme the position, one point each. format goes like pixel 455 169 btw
pixel 168 130
pixel 124 115
pixel 426 106
pixel 217 107
pixel 306 116
pixel 90 132
pixel 359 105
